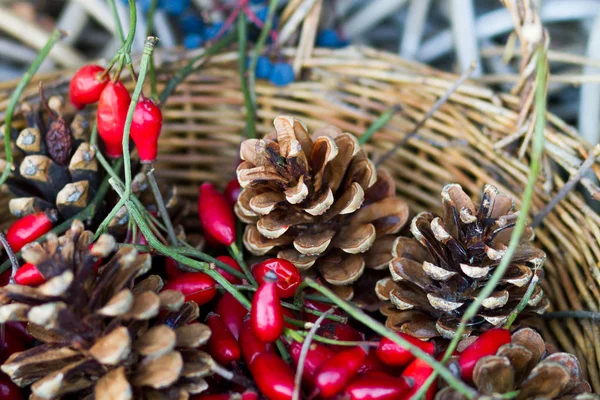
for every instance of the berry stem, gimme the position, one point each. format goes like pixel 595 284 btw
pixel 14 262
pixel 515 237
pixel 377 327
pixel 118 25
pixel 161 207
pixel 239 257
pixel 260 43
pixel 192 65
pixel 242 29
pixel 14 98
pixel 379 123
pixel 304 352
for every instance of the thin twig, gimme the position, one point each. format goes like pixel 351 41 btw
pixel 580 314
pixel 242 27
pixel 562 193
pixel 304 352
pixel 160 202
pixel 465 75
pixel 379 123
pixel 14 262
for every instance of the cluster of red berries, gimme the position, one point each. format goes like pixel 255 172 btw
pixel 91 84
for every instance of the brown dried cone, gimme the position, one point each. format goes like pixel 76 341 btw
pixel 104 336
pixel 317 200
pixel 436 276
pixel 531 367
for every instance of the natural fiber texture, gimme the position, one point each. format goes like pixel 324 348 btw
pixel 349 88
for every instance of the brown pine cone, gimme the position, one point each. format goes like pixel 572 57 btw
pixel 317 200
pixel 531 367
pixel 436 276
pixel 105 335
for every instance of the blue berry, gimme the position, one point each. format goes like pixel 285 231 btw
pixel 193 41
pixel 176 7
pixel 211 31
pixel 191 23
pixel 264 67
pixel 330 38
pixel 282 74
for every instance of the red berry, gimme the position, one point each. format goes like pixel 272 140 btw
pixel 87 85
pixel 251 346
pixel 172 268
pixel 112 113
pixel 288 276
pixel 232 313
pixel 216 214
pixel 486 345
pixel 317 306
pixel 8 390
pixel 222 345
pixel 266 314
pixel 316 356
pixel 397 356
pixel 372 364
pixel 335 374
pixel 29 275
pixel 196 286
pixel 233 264
pixel 145 129
pixel 273 376
pixel 5 277
pixel 415 376
pixel 249 395
pixel 29 228
pixel 339 331
pixel 232 191
pixel 13 343
pixel 377 387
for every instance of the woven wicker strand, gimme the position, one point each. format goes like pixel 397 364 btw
pixel 350 88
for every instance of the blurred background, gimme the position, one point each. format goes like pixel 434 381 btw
pixel 447 34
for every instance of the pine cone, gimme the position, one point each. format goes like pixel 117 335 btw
pixel 529 366
pixel 317 201
pixel 57 168
pixel 103 335
pixel 436 276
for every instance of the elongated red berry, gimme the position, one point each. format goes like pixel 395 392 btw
pixel 266 314
pixel 250 395
pixel 195 286
pixel 340 331
pixel 288 276
pixel 377 387
pixel 486 345
pixel 232 191
pixel 222 346
pixel 372 364
pixel 216 214
pixel 397 356
pixel 145 129
pixel 172 268
pixel 29 228
pixel 251 345
pixel 415 376
pixel 316 356
pixel 232 313
pixel 337 372
pixel 87 85
pixel 273 376
pixel 29 275
pixel 233 264
pixel 112 113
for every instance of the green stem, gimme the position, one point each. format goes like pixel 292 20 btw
pixel 242 25
pixel 161 207
pixel 149 29
pixel 521 223
pixel 260 43
pixel 379 123
pixel 16 95
pixel 190 67
pixel 94 137
pixel 380 329
pixel 191 252
pixel 131 34
pixel 283 351
pixel 87 213
pixel 169 251
pixel 150 17
pixel 300 335
pixel 118 26
pixel 239 257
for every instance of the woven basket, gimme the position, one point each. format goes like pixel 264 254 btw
pixel 204 124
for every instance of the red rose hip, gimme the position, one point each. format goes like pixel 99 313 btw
pixel 145 129
pixel 288 276
pixel 29 228
pixel 112 113
pixel 195 286
pixel 29 275
pixel 335 374
pixel 216 214
pixel 222 345
pixel 395 355
pixel 86 85
pixel 485 345
pixel 266 314
pixel 273 376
